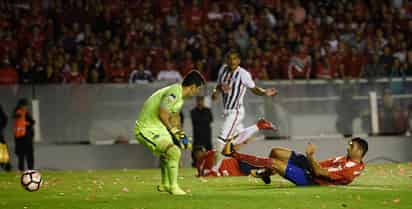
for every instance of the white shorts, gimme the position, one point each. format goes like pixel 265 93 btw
pixel 232 124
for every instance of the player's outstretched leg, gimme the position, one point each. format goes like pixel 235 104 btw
pixel 261 124
pixel 173 156
pixel 259 162
pixel 164 184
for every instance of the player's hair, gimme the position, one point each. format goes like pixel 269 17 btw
pixel 232 51
pixel 193 77
pixel 199 148
pixel 362 143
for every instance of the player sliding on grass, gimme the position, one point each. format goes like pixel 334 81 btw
pixel 305 170
pixel 209 163
pixel 158 128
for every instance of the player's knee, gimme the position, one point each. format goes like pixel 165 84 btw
pixel 173 153
pixel 274 153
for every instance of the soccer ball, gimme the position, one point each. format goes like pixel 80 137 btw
pixel 31 180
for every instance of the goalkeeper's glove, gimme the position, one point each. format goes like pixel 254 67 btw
pixel 180 138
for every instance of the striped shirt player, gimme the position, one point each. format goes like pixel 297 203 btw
pixel 233 81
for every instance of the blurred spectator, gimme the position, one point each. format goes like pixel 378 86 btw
pixel 344 122
pixel 201 123
pixel 408 64
pixel 73 75
pixel 398 71
pixel 3 124
pixel 25 72
pixel 140 75
pixel 374 70
pixel 169 74
pixel 118 73
pixel 300 65
pixel 392 117
pixel 99 33
pixel 8 75
pixel 24 135
pixel 322 67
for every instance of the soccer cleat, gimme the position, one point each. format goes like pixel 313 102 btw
pixel 262 174
pixel 263 124
pixel 162 188
pixel 228 149
pixel 176 191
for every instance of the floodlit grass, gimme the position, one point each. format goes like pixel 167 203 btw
pixel 380 186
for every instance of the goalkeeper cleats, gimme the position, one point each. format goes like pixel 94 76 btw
pixel 162 188
pixel 176 190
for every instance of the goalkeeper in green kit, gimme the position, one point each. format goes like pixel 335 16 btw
pixel 157 129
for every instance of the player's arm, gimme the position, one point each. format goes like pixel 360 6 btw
pixel 168 118
pixel 247 80
pixel 264 92
pixel 317 169
pixel 216 91
pixel 169 115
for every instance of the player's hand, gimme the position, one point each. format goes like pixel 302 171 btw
pixel 180 138
pixel 310 149
pixel 225 88
pixel 271 92
pixel 215 95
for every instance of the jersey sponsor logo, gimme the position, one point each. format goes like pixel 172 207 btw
pixel 172 96
pixel 334 169
pixel 350 164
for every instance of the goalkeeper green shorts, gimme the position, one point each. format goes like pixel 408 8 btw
pixel 156 141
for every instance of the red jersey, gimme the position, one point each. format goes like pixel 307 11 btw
pixel 342 171
pixel 225 167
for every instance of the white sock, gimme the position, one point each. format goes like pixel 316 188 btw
pixel 245 134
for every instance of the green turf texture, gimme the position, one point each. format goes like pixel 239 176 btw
pixel 380 186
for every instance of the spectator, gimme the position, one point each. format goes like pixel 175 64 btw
pixel 408 64
pixel 99 31
pixel 118 73
pixel 140 75
pixel 201 123
pixel 374 70
pixel 398 71
pixel 25 72
pixel 322 68
pixel 24 135
pixel 169 74
pixel 3 124
pixel 300 65
pixel 8 75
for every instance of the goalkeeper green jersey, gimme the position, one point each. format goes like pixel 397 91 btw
pixel 169 98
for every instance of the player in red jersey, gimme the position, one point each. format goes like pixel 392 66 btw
pixel 209 165
pixel 305 170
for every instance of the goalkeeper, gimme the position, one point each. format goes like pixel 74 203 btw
pixel 158 128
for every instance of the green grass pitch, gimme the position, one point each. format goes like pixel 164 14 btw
pixel 381 186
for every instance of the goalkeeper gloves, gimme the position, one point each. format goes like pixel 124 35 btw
pixel 180 138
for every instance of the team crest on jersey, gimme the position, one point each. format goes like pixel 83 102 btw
pixel 172 96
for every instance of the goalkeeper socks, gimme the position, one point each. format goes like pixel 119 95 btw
pixel 173 172
pixel 259 162
pixel 245 134
pixel 164 173
pixel 173 157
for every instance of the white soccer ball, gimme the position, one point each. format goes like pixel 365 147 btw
pixel 31 180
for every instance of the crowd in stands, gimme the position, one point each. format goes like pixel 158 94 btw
pixel 122 41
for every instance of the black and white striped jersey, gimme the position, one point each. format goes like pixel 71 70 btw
pixel 238 81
